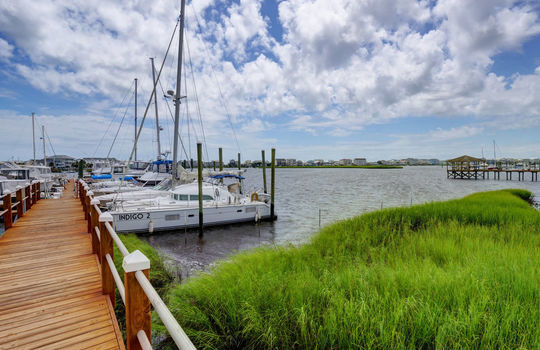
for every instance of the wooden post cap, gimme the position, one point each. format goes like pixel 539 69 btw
pixel 35 182
pixel 90 193
pixel 27 184
pixel 135 261
pixel 7 192
pixel 105 217
pixel 18 187
pixel 94 201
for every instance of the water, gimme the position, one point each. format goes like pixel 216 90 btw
pixel 306 196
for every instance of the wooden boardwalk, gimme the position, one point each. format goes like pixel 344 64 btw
pixel 50 282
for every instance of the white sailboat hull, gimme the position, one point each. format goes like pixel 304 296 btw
pixel 180 218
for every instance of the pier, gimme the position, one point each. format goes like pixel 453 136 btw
pixel 58 278
pixel 471 168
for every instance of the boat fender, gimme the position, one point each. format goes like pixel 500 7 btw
pixel 254 197
pixel 151 226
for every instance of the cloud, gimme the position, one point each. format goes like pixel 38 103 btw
pixel 6 50
pixel 341 65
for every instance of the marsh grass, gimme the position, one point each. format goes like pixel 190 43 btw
pixel 458 274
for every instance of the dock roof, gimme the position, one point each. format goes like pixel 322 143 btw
pixel 465 159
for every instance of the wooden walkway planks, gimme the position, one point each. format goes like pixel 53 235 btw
pixel 50 282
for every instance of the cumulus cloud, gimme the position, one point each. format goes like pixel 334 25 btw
pixel 340 66
pixel 6 50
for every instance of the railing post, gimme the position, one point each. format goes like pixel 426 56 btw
pixel 19 198
pixel 34 192
pixel 93 224
pixel 137 303
pixel 28 190
pixel 83 199
pixel 106 247
pixel 89 210
pixel 38 191
pixel 6 205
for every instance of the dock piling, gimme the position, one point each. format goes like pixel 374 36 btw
pixel 264 171
pixel 199 182
pixel 272 184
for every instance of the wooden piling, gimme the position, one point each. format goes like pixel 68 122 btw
pixel 272 184
pixel 264 171
pixel 220 159
pixel 199 182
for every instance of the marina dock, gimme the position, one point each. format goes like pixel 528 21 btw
pixel 50 282
pixel 471 168
pixel 58 280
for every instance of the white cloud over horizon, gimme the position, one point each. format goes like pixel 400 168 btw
pixel 341 66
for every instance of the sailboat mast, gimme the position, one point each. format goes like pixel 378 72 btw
pixel 177 97
pixel 155 105
pixel 34 137
pixel 135 120
pixel 43 137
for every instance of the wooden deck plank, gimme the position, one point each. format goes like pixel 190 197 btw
pixel 50 282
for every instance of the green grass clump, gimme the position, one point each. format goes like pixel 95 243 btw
pixel 161 276
pixel 458 274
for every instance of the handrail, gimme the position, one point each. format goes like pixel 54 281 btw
pixel 92 212
pixel 117 278
pixel 143 340
pixel 22 204
pixel 177 333
pixel 121 247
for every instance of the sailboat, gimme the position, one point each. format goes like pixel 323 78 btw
pixel 221 204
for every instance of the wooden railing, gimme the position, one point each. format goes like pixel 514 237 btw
pixel 25 198
pixel 136 291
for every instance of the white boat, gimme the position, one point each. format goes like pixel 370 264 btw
pixel 158 171
pixel 160 190
pixel 180 209
pixel 14 175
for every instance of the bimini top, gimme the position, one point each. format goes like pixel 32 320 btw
pixel 101 177
pixel 227 175
pixel 162 162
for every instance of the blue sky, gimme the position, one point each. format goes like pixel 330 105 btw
pixel 314 79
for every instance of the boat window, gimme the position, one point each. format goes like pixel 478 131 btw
pixel 183 197
pixel 172 217
pixel 205 197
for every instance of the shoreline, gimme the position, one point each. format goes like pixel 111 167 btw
pixel 270 280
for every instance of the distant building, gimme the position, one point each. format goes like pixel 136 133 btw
pixel 310 163
pixel 299 163
pixel 291 162
pixel 434 161
pixel 281 162
pixel 359 161
pixel 345 161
